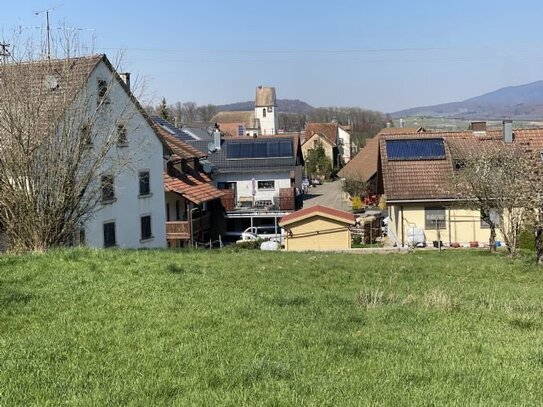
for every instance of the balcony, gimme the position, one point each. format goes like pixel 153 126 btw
pixel 180 230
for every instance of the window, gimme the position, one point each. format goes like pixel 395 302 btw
pixel 122 139
pixel 241 130
pixel 270 109
pixel 266 185
pixel 146 227
pixel 110 239
pixel 264 112
pixel 434 218
pixel 494 217
pixel 86 134
pixel 145 187
pixel 167 212
pixel 108 188
pixel 102 91
pixel 177 211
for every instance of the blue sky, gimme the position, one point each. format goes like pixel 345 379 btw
pixel 382 55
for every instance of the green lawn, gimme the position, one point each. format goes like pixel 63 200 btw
pixel 214 328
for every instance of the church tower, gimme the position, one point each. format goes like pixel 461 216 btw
pixel 265 110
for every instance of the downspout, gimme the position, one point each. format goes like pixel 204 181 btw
pixel 450 228
pixel 401 210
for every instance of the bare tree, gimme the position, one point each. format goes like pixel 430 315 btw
pixel 57 138
pixel 494 179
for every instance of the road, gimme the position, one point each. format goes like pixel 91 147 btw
pixel 328 194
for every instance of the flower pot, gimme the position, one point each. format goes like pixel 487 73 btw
pixel 474 243
pixel 455 244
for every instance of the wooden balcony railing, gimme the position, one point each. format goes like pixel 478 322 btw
pixel 180 230
pixel 177 230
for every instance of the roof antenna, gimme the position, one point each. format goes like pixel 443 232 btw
pixel 48 28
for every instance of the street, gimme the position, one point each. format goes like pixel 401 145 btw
pixel 329 194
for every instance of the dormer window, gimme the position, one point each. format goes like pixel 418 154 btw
pixel 102 91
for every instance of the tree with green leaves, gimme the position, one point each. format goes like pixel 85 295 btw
pixel 317 163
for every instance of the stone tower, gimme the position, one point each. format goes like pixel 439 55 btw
pixel 265 110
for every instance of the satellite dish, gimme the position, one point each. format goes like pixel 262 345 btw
pixel 208 168
pixel 211 146
pixel 51 82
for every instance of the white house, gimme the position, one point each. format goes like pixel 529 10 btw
pixel 261 178
pixel 108 138
pixel 131 213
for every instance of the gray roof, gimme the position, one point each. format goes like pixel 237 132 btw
pixel 197 133
pixel 265 96
pixel 224 165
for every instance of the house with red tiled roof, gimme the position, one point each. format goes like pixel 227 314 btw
pixel 415 174
pixel 337 135
pixel 193 206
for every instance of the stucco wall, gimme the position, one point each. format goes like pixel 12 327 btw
pixel 313 142
pixel 143 152
pixel 461 225
pixel 318 233
pixel 268 124
pixel 346 145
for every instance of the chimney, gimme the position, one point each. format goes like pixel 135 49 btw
pixel 125 76
pixel 478 128
pixel 217 139
pixel 507 131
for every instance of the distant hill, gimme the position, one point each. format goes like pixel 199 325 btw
pixel 283 106
pixel 524 102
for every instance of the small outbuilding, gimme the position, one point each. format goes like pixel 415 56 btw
pixel 317 228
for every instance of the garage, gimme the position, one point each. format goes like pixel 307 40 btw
pixel 317 228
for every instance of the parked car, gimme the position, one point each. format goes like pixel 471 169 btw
pixel 316 181
pixel 263 232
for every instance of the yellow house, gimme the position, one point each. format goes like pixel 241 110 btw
pixel 317 228
pixel 415 174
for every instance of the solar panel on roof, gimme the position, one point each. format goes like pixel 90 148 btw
pixel 415 149
pixel 260 149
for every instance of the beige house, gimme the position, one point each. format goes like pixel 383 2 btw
pixel 415 174
pixel 314 141
pixel 317 228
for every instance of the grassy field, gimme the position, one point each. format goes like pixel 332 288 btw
pixel 218 328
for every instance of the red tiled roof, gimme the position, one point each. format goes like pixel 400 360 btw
pixel 408 180
pixel 195 187
pixel 328 130
pixel 363 166
pixel 325 211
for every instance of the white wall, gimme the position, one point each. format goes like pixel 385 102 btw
pixel 245 187
pixel 268 124
pixel 346 144
pixel 144 152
